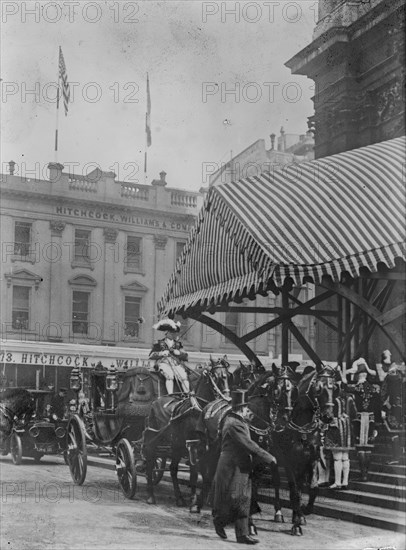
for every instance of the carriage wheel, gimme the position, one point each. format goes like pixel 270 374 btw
pixel 76 450
pixel 125 468
pixel 16 449
pixel 158 471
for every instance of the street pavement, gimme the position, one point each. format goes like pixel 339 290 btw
pixel 41 509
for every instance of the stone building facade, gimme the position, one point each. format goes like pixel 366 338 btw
pixel 256 158
pixel 357 62
pixel 84 258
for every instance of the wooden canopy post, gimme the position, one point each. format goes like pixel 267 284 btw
pixel 285 328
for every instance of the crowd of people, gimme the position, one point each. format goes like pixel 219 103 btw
pixel 364 406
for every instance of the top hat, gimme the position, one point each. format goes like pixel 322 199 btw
pixel 362 367
pixel 167 325
pixel 238 399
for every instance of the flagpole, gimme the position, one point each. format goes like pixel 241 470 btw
pixel 146 139
pixel 57 109
pixel 145 151
pixel 147 129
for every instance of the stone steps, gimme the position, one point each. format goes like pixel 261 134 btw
pixel 379 502
pixel 374 516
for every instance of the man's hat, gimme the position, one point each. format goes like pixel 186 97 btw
pixel 63 389
pixel 167 325
pixel 238 399
pixel 362 367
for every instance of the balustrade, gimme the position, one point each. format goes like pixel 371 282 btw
pixel 82 184
pixel 185 200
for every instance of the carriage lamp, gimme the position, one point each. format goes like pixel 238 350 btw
pixel 111 379
pixel 112 384
pixel 75 381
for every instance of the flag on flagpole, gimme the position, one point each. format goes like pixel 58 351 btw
pixel 148 116
pixel 64 78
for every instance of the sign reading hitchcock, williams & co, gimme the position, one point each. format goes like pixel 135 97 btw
pixel 63 360
pixel 98 214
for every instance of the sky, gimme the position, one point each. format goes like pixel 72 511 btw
pixel 217 83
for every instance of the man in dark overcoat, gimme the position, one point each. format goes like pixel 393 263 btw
pixel 232 482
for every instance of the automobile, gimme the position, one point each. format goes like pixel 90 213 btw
pixel 35 433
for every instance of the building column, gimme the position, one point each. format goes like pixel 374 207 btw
pixel 56 319
pixel 112 328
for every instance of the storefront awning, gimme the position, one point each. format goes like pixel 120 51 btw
pixel 325 217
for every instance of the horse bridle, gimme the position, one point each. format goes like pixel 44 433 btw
pixel 213 383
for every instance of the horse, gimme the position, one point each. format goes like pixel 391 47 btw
pixel 246 374
pixel 297 445
pixel 15 404
pixel 267 406
pixel 283 394
pixel 172 426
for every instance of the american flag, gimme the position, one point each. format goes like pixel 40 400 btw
pixel 64 78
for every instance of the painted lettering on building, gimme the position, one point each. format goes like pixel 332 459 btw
pixel 63 360
pixel 97 214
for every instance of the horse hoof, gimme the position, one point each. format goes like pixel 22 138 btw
pixel 296 530
pixel 194 509
pixel 279 518
pixel 151 500
pixel 302 520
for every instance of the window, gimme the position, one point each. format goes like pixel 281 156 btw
pixel 133 258
pixel 21 307
pixel 232 321
pixel 132 313
pixel 82 246
pixel 22 239
pixel 80 312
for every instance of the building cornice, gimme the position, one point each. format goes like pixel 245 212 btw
pixel 338 36
pixel 79 202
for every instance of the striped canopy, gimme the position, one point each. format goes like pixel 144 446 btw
pixel 324 217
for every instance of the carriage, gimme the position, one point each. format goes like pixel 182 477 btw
pixel 33 433
pixel 112 417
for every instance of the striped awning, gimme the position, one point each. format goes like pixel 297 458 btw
pixel 324 217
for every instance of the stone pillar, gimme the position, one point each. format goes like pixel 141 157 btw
pixel 56 328
pixel 160 267
pixel 112 327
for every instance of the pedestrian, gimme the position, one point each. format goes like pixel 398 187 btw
pixel 169 354
pixel 232 481
pixel 58 405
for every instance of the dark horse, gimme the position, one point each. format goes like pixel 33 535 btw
pixel 246 374
pixel 15 405
pixel 269 398
pixel 297 445
pixel 172 423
